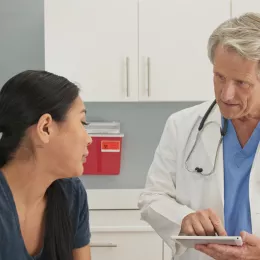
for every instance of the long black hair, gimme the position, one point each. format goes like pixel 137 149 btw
pixel 23 100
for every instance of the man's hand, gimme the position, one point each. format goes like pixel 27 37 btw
pixel 249 251
pixel 202 223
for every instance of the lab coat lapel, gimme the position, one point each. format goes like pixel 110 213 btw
pixel 210 139
pixel 254 193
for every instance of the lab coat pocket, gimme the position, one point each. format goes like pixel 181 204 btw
pixel 196 190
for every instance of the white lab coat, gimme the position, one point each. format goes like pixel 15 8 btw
pixel 172 191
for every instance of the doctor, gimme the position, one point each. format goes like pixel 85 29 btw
pixel 205 176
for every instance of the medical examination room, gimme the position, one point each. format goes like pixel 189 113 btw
pixel 129 129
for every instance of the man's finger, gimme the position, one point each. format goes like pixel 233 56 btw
pixel 206 223
pixel 188 229
pixel 206 250
pixel 226 250
pixel 222 252
pixel 198 228
pixel 217 224
pixel 249 238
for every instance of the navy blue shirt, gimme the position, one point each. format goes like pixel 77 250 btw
pixel 12 245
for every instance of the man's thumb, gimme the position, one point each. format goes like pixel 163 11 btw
pixel 249 238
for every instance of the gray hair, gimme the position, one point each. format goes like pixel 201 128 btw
pixel 241 34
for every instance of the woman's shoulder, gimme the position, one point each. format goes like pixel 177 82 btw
pixel 72 185
pixel 74 191
pixel 79 211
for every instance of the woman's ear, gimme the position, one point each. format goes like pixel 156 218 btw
pixel 45 128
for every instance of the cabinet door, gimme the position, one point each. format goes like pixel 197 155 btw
pixel 167 252
pixel 241 6
pixel 94 43
pixel 173 37
pixel 126 246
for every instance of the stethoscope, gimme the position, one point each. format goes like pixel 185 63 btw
pixel 223 131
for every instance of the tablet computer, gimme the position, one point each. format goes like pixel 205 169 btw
pixel 191 241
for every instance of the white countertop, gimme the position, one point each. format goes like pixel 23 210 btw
pixel 113 198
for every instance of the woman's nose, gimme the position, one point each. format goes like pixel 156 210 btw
pixel 89 140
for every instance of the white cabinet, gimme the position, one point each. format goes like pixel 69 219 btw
pixel 117 233
pixel 126 246
pixel 121 235
pixel 167 252
pixel 241 6
pixel 173 48
pixel 94 43
pixel 130 50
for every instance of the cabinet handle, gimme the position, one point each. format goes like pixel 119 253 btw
pixel 127 76
pixel 163 249
pixel 148 76
pixel 103 245
pixel 231 8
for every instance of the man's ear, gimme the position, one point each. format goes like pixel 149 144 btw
pixel 45 128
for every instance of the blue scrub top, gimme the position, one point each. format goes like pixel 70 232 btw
pixel 237 166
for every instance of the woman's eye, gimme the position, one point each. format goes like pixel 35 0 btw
pixel 84 123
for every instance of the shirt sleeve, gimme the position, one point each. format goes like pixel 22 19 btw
pixel 82 232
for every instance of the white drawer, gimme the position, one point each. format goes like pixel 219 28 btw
pixel 122 235
pixel 117 218
pixel 113 199
pixel 126 246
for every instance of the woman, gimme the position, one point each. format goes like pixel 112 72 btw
pixel 43 211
